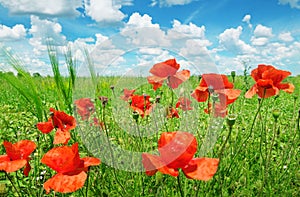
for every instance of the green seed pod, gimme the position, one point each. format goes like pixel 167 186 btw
pixel 215 97
pixel 276 113
pixel 135 115
pixel 231 119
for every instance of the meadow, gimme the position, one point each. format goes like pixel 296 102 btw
pixel 256 143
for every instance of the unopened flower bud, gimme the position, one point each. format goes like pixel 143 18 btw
pixel 215 96
pixel 276 113
pixel 135 115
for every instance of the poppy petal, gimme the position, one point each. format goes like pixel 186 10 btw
pixel 90 161
pixel 155 81
pixel 177 148
pixel 12 166
pixel 45 127
pixel 154 163
pixel 175 80
pixel 216 81
pixel 287 87
pixel 201 168
pixel 27 169
pixel 200 94
pixel 62 120
pixel 63 159
pixel 65 183
pixel 61 136
pixel 251 92
pixel 165 69
pixel 19 150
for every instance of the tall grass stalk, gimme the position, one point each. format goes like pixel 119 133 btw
pixel 24 84
pixel 64 85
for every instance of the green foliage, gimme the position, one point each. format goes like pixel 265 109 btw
pixel 259 154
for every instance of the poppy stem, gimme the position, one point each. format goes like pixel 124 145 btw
pixel 12 183
pixel 221 152
pixel 179 186
pixel 244 144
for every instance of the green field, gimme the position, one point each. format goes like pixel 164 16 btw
pixel 259 155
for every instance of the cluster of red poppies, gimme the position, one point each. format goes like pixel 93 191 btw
pixel 176 149
pixel 65 160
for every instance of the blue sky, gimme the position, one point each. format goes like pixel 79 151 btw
pixel 129 36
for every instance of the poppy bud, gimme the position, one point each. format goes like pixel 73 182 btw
pixel 112 87
pixel 157 99
pixel 232 74
pixel 199 77
pixel 276 113
pixel 104 100
pixel 295 97
pixel 215 96
pixel 231 119
pixel 135 115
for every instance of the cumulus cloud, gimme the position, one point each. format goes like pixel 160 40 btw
pixel 230 40
pixel 139 30
pixel 262 35
pixel 44 32
pixel 262 31
pixel 179 31
pixel 105 11
pixel 168 3
pixel 286 37
pixel 247 19
pixel 17 32
pixel 292 3
pixel 43 7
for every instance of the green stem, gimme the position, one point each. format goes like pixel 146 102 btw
pixel 111 152
pixel 12 183
pixel 221 152
pixel 179 186
pixel 243 146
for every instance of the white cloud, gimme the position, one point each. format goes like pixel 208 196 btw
pixel 106 11
pixel 140 30
pixel 247 19
pixel 262 35
pixel 293 3
pixel 43 7
pixel 170 2
pixel 286 37
pixel 195 47
pixel 44 31
pixel 17 32
pixel 180 31
pixel 230 40
pixel 262 31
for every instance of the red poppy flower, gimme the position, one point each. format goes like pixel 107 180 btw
pixel 85 107
pixel 17 156
pixel 127 94
pixel 220 85
pixel 60 120
pixel 268 82
pixel 172 112
pixel 214 81
pixel 167 70
pixel 184 104
pixel 141 104
pixel 177 150
pixel 218 110
pixel 71 169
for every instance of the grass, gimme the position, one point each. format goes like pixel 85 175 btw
pixel 258 153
